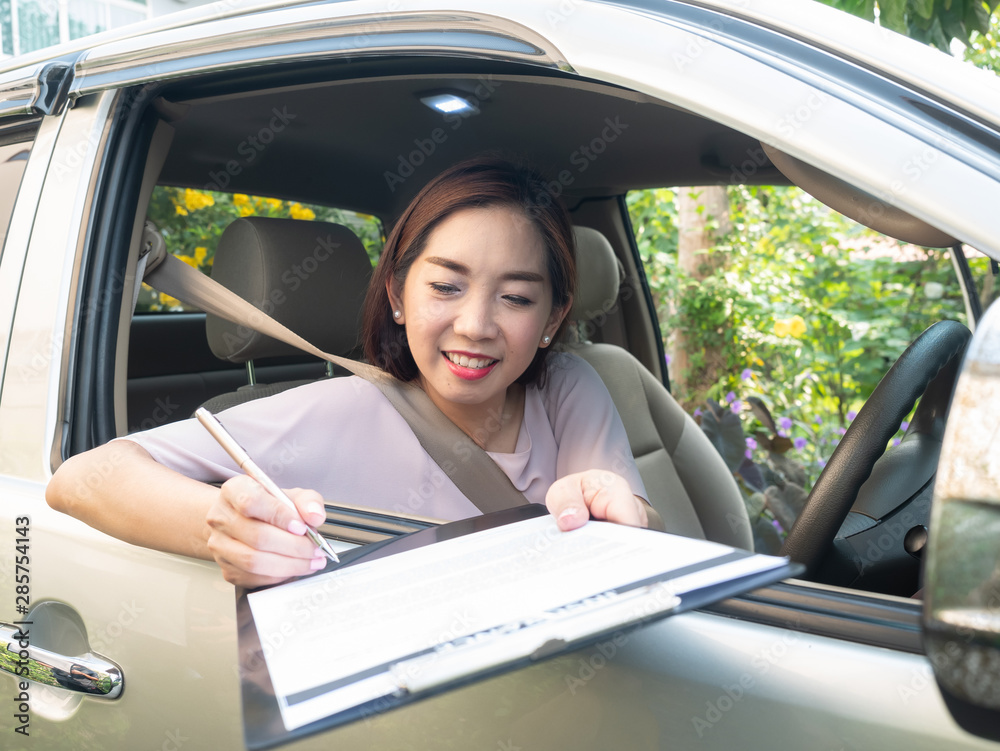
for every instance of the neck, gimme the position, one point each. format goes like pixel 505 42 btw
pixel 494 426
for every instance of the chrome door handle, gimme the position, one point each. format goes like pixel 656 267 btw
pixel 87 673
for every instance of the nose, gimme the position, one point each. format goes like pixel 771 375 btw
pixel 475 318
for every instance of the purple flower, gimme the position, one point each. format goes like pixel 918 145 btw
pixel 751 443
pixel 821 463
pixel 697 412
pixel 777 525
pixel 896 441
pixel 904 425
pixel 748 454
pixel 667 358
pixel 819 420
pixel 782 434
pixel 785 423
pixel 736 407
pixel 799 443
pixel 746 375
pixel 851 415
pixel 841 431
pixel 730 397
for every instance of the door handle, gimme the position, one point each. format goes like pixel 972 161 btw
pixel 88 673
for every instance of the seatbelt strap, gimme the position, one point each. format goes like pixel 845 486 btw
pixel 472 470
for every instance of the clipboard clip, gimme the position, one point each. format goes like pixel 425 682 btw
pixel 547 634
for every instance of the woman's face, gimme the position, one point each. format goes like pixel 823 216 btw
pixel 476 304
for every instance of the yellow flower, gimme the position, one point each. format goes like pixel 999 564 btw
pixel 274 203
pixel 246 210
pixel 240 199
pixel 196 199
pixel 793 326
pixel 199 254
pixel 298 211
pixel 188 260
pixel 167 300
pixel 181 211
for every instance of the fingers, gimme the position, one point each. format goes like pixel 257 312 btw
pixel 601 494
pixel 257 539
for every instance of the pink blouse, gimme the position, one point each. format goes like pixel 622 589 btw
pixel 342 438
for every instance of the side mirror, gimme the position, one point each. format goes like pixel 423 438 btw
pixel 962 574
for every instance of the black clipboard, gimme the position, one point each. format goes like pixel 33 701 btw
pixel 262 720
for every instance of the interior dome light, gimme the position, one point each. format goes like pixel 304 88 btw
pixel 449 103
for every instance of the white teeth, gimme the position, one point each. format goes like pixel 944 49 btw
pixel 469 362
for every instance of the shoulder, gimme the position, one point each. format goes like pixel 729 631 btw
pixel 344 396
pixel 568 377
pixel 566 370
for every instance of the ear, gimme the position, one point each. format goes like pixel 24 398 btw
pixel 556 319
pixel 395 300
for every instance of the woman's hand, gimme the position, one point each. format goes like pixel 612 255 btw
pixel 600 493
pixel 257 540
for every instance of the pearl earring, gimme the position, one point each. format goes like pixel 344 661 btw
pixel 397 314
pixel 546 339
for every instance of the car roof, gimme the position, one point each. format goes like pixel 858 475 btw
pixel 372 115
pixel 867 44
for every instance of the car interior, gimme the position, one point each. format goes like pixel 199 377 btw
pixel 359 136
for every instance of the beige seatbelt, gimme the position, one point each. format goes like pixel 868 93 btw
pixel 467 465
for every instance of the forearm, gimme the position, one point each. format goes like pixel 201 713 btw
pixel 120 489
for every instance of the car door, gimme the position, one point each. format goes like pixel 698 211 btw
pixel 795 665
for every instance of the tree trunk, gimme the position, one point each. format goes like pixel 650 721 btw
pixel 703 220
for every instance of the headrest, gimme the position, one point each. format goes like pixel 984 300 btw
pixel 598 275
pixel 310 276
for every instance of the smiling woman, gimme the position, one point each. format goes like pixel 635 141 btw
pixel 474 285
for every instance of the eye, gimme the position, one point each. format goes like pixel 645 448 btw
pixel 444 288
pixel 518 300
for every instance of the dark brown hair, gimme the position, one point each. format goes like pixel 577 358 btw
pixel 477 183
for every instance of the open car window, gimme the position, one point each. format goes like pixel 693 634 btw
pixel 779 318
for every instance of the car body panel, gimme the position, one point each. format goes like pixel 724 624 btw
pixel 169 622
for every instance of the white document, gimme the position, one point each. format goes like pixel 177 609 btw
pixel 411 621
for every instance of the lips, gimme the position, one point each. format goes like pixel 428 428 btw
pixel 469 367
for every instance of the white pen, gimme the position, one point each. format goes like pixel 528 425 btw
pixel 243 460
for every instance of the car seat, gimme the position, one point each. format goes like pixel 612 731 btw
pixel 687 481
pixel 309 276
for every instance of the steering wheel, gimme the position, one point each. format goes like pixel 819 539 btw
pixel 938 348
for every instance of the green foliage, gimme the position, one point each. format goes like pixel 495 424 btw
pixel 983 50
pixel 934 22
pixel 192 221
pixel 807 314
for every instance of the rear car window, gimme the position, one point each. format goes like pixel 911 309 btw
pixel 191 222
pixel 15 147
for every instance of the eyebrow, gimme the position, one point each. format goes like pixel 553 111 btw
pixel 458 268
